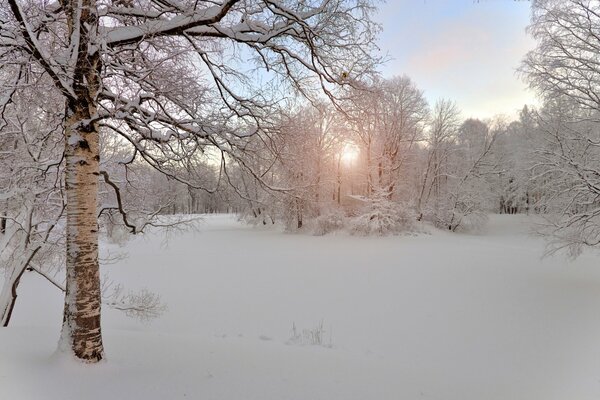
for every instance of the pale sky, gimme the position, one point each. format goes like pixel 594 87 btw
pixel 464 50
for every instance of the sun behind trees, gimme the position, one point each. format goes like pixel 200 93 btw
pixel 384 159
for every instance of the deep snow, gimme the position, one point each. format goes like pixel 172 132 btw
pixel 440 316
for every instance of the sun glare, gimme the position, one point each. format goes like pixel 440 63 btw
pixel 349 153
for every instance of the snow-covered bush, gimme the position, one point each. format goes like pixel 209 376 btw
pixel 294 212
pixel 257 216
pixel 459 219
pixel 473 221
pixel 463 210
pixel 329 222
pixel 382 216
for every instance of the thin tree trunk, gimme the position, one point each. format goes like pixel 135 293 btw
pixel 318 186
pixel 339 180
pixel 8 297
pixel 369 176
pixel 420 200
pixel 10 290
pixel 298 214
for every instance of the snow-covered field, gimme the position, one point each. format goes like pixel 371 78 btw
pixel 440 316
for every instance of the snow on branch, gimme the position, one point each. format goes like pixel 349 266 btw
pixel 36 49
pixel 143 305
pixel 177 25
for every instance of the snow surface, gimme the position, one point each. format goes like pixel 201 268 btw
pixel 441 316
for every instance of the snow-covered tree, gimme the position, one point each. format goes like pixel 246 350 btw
pixel 565 70
pixel 443 127
pixel 567 173
pixel 511 182
pixel 307 143
pixel 31 187
pixel 388 121
pixel 454 190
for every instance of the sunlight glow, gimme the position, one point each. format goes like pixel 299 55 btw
pixel 349 153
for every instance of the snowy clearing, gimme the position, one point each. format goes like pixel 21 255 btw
pixel 441 316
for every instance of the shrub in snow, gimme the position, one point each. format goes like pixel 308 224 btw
pixel 459 213
pixel 381 216
pixel 310 337
pixel 329 222
pixel 569 233
pixel 257 216
pixel 473 221
pixel 461 210
pixel 296 213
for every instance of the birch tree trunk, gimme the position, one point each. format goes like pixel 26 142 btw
pixel 81 323
pixel 81 333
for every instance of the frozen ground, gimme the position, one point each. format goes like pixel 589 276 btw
pixel 441 316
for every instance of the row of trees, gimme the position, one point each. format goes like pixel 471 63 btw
pixel 451 172
pixel 384 144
